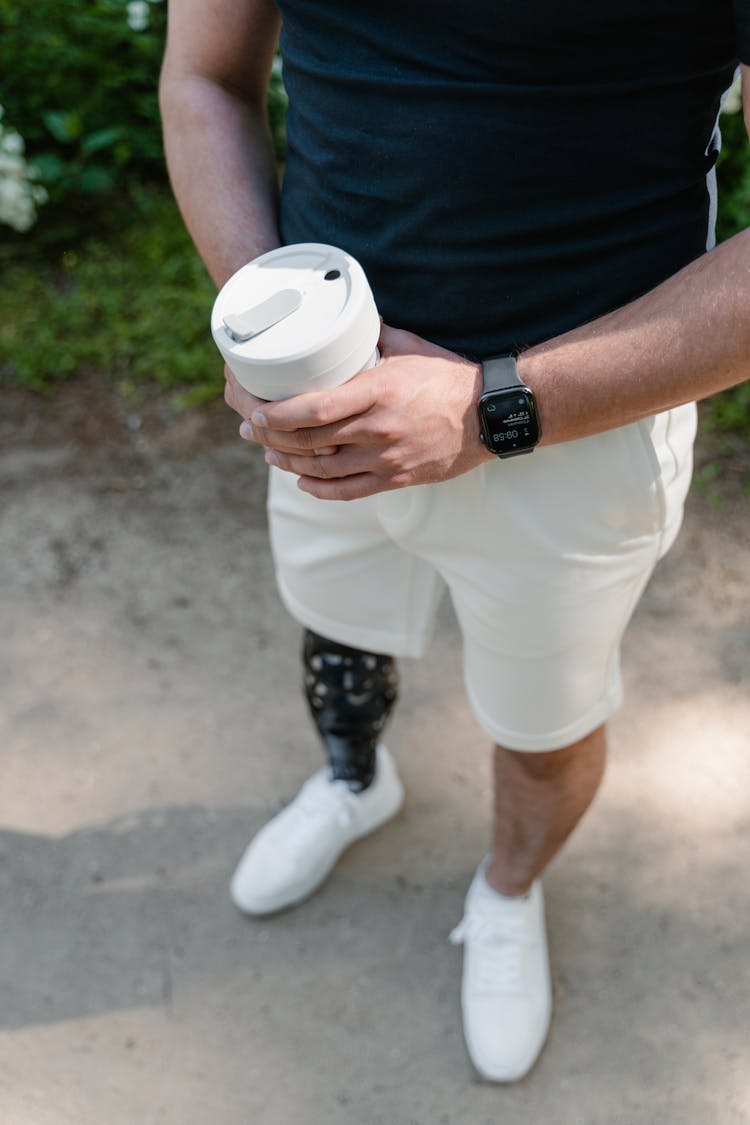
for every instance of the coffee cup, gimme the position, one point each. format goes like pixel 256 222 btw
pixel 296 319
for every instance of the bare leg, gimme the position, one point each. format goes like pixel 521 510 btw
pixel 539 799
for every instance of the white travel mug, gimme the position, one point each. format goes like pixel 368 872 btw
pixel 299 318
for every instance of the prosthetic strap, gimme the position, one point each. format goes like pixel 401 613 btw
pixel 351 694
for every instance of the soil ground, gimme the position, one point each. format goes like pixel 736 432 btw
pixel 151 723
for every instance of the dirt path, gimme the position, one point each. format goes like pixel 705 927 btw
pixel 151 722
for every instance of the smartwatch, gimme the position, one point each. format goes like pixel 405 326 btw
pixel 507 409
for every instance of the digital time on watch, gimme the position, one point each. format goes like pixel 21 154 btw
pixel 507 409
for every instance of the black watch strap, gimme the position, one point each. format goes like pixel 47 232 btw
pixel 508 416
pixel 499 373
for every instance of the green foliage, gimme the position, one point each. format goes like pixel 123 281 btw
pixel 729 412
pixel 79 82
pixel 134 305
pixel 277 102
pixel 734 177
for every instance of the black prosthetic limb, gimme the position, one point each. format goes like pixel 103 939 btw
pixel 351 694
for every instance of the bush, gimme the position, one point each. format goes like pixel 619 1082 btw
pixel 79 85
pixel 729 412
pixel 78 82
pixel 734 177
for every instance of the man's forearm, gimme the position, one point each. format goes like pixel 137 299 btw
pixel 685 340
pixel 223 172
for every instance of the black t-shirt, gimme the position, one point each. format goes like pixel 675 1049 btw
pixel 503 170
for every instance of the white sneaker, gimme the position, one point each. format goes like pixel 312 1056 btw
pixel 506 994
pixel 292 855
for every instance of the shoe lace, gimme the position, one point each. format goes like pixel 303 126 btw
pixel 499 969
pixel 320 800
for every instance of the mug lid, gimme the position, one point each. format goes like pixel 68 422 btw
pixel 308 305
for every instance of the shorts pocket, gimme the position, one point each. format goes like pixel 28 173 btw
pixel 625 485
pixel 403 511
pixel 594 496
pixel 649 474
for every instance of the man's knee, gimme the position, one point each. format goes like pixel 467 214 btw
pixel 547 765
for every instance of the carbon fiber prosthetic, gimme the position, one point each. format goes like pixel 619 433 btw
pixel 351 694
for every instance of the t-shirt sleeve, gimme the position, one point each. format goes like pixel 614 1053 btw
pixel 742 24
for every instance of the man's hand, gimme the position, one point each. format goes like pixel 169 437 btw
pixel 412 419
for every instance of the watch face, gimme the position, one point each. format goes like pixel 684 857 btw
pixel 509 421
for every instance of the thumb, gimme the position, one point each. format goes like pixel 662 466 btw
pixel 396 341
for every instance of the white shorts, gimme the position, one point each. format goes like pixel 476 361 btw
pixel 545 557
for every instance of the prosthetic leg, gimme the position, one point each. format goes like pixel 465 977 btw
pixel 351 694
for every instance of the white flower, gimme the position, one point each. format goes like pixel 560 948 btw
pixel 138 15
pixel 19 195
pixel 12 142
pixel 16 205
pixel 11 165
pixel 39 194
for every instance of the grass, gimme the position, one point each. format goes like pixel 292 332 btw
pixel 131 304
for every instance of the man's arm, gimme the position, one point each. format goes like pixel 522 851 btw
pixel 413 418
pixel 212 95
pixel 685 340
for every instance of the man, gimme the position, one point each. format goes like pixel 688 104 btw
pixel 530 189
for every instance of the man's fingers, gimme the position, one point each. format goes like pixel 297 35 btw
pixel 396 341
pixel 317 408
pixel 326 466
pixel 343 488
pixel 389 339
pixel 323 439
pixel 297 443
pixel 238 398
